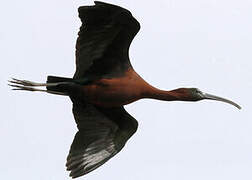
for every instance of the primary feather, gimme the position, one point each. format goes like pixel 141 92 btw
pixel 102 133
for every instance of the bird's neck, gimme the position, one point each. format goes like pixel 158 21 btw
pixel 180 94
pixel 148 91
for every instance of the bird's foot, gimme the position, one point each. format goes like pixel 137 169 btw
pixel 26 83
pixel 20 87
pixel 27 86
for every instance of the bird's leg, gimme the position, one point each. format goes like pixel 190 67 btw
pixel 30 83
pixel 26 85
pixel 26 88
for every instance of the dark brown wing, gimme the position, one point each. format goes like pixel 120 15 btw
pixel 104 39
pixel 102 133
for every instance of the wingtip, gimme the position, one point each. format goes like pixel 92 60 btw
pixel 77 174
pixel 100 3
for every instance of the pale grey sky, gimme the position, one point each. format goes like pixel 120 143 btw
pixel 204 44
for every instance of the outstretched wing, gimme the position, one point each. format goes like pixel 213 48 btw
pixel 104 39
pixel 102 133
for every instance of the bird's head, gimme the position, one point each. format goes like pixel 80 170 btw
pixel 197 95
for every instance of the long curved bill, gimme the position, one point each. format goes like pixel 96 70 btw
pixel 217 98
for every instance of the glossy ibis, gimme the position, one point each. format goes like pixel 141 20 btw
pixel 104 81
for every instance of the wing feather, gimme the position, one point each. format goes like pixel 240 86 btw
pixel 102 133
pixel 104 39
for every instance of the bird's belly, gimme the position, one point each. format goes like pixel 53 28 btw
pixel 112 92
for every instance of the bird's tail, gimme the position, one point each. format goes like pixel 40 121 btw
pixel 58 81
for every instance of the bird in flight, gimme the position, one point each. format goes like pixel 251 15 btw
pixel 105 81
